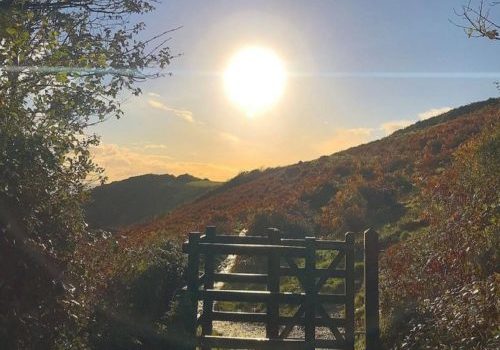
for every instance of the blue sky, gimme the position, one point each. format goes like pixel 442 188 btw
pixel 356 71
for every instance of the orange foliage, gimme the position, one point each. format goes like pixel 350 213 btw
pixel 413 155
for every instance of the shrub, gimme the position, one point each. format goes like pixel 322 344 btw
pixel 432 278
pixel 462 318
pixel 288 226
pixel 132 313
pixel 320 195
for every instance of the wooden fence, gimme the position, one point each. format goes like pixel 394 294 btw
pixel 310 303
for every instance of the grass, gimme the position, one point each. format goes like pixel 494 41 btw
pixel 204 184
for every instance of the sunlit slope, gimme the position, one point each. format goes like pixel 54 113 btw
pixel 372 185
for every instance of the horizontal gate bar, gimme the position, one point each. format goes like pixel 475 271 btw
pixel 251 343
pixel 250 249
pixel 264 296
pixel 265 343
pixel 241 277
pixel 239 316
pixel 318 244
pixel 262 278
pixel 241 239
pixel 260 317
pixel 234 295
pixel 287 271
pixel 261 240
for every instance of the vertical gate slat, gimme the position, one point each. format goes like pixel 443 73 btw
pixel 349 290
pixel 208 303
pixel 311 300
pixel 192 279
pixel 273 285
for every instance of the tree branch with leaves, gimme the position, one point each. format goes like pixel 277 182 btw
pixel 64 65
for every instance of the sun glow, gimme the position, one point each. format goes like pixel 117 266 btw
pixel 255 79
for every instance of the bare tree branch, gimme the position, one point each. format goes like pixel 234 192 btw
pixel 478 19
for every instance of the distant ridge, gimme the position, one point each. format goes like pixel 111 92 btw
pixel 142 198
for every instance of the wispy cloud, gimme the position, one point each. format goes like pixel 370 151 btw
pixel 182 113
pixel 121 162
pixel 154 94
pixel 228 137
pixel 345 138
pixel 433 112
pixel 392 126
pixel 151 146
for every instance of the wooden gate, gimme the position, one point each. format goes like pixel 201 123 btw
pixel 285 257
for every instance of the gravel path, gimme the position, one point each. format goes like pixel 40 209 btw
pixel 258 330
pixel 227 265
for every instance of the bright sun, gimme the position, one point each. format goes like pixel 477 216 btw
pixel 255 79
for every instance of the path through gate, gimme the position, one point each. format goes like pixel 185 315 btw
pixel 285 257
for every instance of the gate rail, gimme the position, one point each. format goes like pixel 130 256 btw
pixel 311 312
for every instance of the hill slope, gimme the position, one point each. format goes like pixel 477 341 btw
pixel 425 188
pixel 141 198
pixel 376 184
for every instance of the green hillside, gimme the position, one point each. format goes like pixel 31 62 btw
pixel 142 198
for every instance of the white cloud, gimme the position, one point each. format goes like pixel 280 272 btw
pixel 155 147
pixel 392 126
pixel 153 94
pixel 433 112
pixel 121 162
pixel 182 113
pixel 228 137
pixel 345 138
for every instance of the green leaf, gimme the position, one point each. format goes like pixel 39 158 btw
pixel 62 77
pixel 11 30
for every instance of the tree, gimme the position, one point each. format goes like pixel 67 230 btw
pixel 479 20
pixel 63 65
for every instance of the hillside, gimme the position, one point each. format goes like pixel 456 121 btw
pixel 431 190
pixel 141 198
pixel 376 184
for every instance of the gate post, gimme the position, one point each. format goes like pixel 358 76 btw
pixel 349 289
pixel 273 285
pixel 192 280
pixel 310 291
pixel 208 283
pixel 371 291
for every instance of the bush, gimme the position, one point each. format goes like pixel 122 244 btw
pixel 462 318
pixel 132 314
pixel 289 227
pixel 320 196
pixel 446 277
